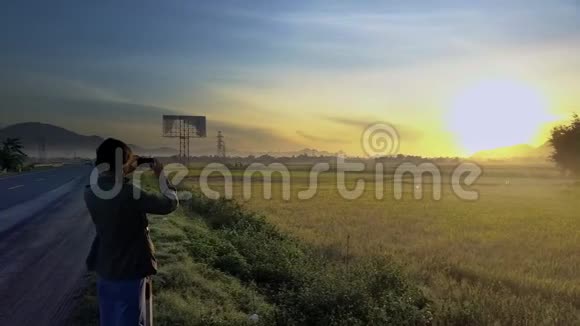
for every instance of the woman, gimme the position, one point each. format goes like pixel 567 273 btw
pixel 122 253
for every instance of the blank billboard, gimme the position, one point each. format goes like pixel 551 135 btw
pixel 184 126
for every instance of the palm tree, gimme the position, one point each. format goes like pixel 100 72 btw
pixel 11 155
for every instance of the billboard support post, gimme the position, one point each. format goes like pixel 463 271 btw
pixel 184 127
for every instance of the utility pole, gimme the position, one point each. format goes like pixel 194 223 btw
pixel 221 145
pixel 41 150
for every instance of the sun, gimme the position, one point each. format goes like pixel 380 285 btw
pixel 497 113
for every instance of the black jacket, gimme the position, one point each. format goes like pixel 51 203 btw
pixel 122 248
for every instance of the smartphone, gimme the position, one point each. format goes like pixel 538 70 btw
pixel 145 160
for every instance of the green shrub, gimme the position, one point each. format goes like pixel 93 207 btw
pixel 306 290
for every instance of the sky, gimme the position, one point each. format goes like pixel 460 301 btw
pixel 453 77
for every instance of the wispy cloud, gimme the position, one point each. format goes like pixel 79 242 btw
pixel 249 139
pixel 408 133
pixel 321 139
pixel 26 83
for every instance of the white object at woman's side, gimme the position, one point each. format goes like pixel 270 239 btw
pixel 254 318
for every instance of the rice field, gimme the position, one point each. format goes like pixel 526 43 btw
pixel 512 257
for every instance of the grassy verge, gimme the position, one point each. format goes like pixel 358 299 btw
pixel 220 264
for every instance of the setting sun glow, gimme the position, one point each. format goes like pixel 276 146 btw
pixel 497 113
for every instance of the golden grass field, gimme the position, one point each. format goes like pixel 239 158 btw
pixel 511 257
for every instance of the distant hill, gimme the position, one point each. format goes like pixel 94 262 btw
pixel 61 142
pixel 521 151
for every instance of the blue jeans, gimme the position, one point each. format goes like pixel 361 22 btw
pixel 121 303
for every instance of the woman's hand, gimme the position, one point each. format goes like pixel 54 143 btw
pixel 130 165
pixel 157 167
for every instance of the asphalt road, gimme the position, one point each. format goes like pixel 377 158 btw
pixel 18 188
pixel 42 260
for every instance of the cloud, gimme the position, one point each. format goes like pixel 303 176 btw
pixel 88 109
pixel 251 139
pixel 21 83
pixel 136 123
pixel 392 35
pixel 407 133
pixel 318 138
pixel 349 122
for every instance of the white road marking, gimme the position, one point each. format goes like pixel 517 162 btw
pixel 18 186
